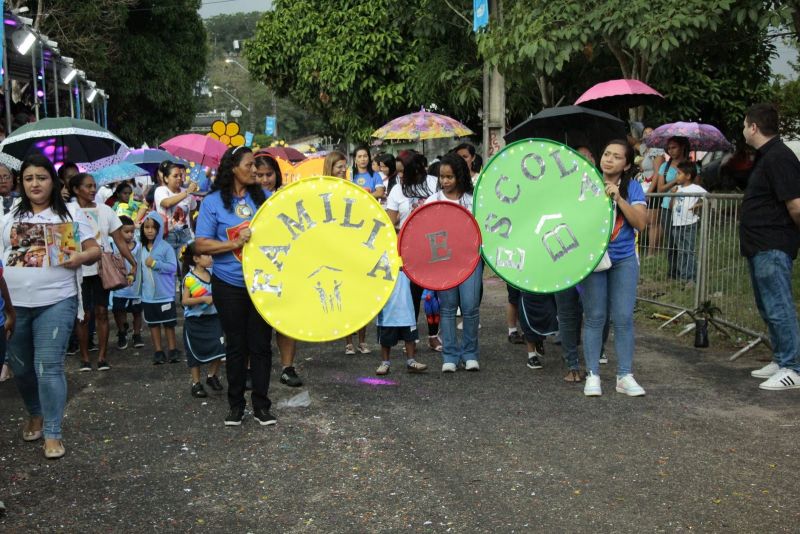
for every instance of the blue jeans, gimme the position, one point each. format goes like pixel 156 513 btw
pixel 570 313
pixel 611 292
pixel 177 239
pixel 36 354
pixel 468 296
pixel 684 239
pixel 771 276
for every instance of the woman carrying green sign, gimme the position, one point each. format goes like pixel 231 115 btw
pixel 613 291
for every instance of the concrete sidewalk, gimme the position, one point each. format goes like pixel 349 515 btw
pixel 507 449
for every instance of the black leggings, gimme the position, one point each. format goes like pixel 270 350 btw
pixel 247 334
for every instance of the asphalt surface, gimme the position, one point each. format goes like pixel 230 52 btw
pixel 507 449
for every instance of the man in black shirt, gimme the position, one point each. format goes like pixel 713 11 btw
pixel 769 236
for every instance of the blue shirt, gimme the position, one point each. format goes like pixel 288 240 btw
pixel 368 181
pixel 215 222
pixel 623 236
pixel 399 309
pixel 672 173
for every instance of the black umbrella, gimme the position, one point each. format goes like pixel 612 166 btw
pixel 572 125
pixel 64 139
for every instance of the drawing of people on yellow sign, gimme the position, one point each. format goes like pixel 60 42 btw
pixel 296 269
pixel 227 133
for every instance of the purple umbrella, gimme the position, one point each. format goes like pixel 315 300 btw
pixel 701 136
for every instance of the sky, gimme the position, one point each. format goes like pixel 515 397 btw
pixel 218 7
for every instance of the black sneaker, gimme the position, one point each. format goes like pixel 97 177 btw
pixel 174 356
pixel 290 378
pixel 102 365
pixel 263 417
pixel 234 417
pixel 92 345
pixel 516 338
pixel 534 362
pixel 122 340
pixel 198 391
pixel 137 341
pixel 248 381
pixel 85 366
pixel 214 383
pixel 159 358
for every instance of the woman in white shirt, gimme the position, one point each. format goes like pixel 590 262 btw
pixel 41 263
pixel 175 204
pixel 105 224
pixel 411 191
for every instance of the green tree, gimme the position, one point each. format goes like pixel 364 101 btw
pixel 223 30
pixel 146 54
pixel 358 64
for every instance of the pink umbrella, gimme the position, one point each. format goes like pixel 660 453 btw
pixel 201 149
pixel 615 94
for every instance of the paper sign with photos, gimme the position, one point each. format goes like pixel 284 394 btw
pixel 42 245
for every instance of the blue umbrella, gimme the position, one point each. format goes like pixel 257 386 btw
pixel 117 173
pixel 150 158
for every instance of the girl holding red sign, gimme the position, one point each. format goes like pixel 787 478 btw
pixel 456 186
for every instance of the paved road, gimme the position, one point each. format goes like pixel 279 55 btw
pixel 505 450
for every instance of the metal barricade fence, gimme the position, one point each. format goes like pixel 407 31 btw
pixel 691 261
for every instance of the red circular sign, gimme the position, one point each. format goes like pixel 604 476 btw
pixel 440 245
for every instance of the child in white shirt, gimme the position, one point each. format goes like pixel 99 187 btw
pixel 685 220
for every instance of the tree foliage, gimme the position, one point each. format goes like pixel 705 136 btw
pixel 358 64
pixel 146 54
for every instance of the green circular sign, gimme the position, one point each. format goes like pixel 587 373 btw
pixel 544 215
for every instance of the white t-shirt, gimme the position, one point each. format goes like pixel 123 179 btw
pixel 103 194
pixel 465 200
pixel 404 205
pixel 103 221
pixel 682 214
pixel 32 287
pixel 177 216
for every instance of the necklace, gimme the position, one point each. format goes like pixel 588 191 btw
pixel 243 210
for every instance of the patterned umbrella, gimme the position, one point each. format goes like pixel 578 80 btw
pixel 64 139
pixel 420 126
pixel 117 173
pixel 701 136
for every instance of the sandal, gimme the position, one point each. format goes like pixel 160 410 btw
pixel 348 349
pixel 54 452
pixel 363 348
pixel 435 343
pixel 31 434
pixel 574 376
pixel 5 373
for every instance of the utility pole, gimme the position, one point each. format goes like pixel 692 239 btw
pixel 494 98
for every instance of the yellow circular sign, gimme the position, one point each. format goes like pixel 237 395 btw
pixel 322 259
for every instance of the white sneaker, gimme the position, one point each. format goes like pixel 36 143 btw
pixel 592 387
pixel 448 368
pixel 628 385
pixel 472 365
pixel 767 371
pixel 783 379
